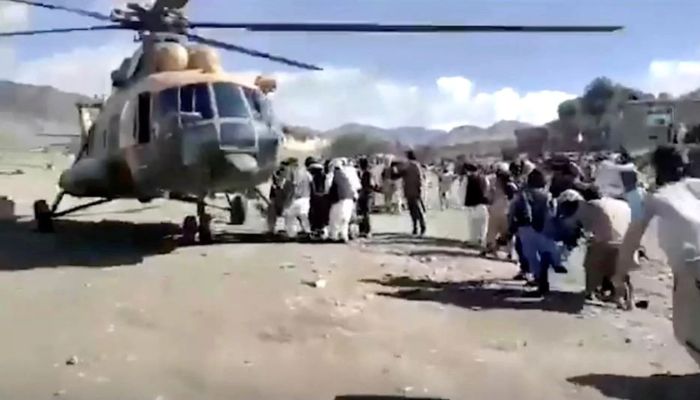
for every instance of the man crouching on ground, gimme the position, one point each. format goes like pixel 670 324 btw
pixel 605 220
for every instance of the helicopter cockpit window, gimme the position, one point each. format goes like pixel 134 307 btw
pixel 168 102
pixel 195 98
pixel 254 100
pixel 230 100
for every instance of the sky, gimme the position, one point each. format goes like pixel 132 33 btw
pixel 437 81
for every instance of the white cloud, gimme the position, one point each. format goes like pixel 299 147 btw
pixel 81 69
pixel 673 76
pixel 335 96
pixel 13 16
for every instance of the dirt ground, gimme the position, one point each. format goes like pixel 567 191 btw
pixel 110 307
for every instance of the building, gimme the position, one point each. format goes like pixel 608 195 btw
pixel 646 124
pixel 532 141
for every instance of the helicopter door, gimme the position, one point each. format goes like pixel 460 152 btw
pixel 143 132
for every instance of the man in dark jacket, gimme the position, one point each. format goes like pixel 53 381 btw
pixel 319 204
pixel 531 215
pixel 476 202
pixel 365 199
pixel 413 192
pixel 280 196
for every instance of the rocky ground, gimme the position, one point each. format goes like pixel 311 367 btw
pixel 110 307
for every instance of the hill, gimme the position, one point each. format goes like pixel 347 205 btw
pixel 418 136
pixel 29 110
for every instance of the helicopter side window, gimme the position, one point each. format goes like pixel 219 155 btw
pixel 230 101
pixel 196 98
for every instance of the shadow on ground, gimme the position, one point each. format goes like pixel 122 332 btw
pixel 655 387
pixel 484 294
pixel 83 244
pixel 404 239
pixel 107 243
pixel 379 397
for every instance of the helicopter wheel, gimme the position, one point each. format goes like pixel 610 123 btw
pixel 43 217
pixel 204 230
pixel 238 206
pixel 189 229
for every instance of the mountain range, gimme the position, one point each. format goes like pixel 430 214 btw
pixel 26 111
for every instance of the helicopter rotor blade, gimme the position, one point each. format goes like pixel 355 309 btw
pixel 331 27
pixel 251 52
pixel 79 11
pixel 62 30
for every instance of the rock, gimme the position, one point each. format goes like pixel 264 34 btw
pixel 369 296
pixel 88 284
pixel 475 308
pixel 489 270
pixel 60 393
pixel 642 304
pixel 628 340
pixel 73 360
pixel 247 363
pixel 287 265
pixel 580 343
pixel 320 284
pixel 408 389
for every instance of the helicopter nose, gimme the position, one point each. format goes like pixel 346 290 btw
pixel 243 162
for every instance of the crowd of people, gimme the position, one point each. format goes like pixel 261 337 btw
pixel 537 211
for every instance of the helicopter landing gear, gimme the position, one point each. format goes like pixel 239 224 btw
pixel 204 229
pixel 238 209
pixel 197 227
pixel 43 217
pixel 189 229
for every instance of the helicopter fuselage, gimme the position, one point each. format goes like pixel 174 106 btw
pixel 177 133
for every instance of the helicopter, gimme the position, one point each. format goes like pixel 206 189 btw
pixel 177 126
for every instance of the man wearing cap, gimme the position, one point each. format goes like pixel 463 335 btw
pixel 342 200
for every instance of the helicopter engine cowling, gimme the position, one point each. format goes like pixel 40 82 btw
pixel 171 57
pixel 94 177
